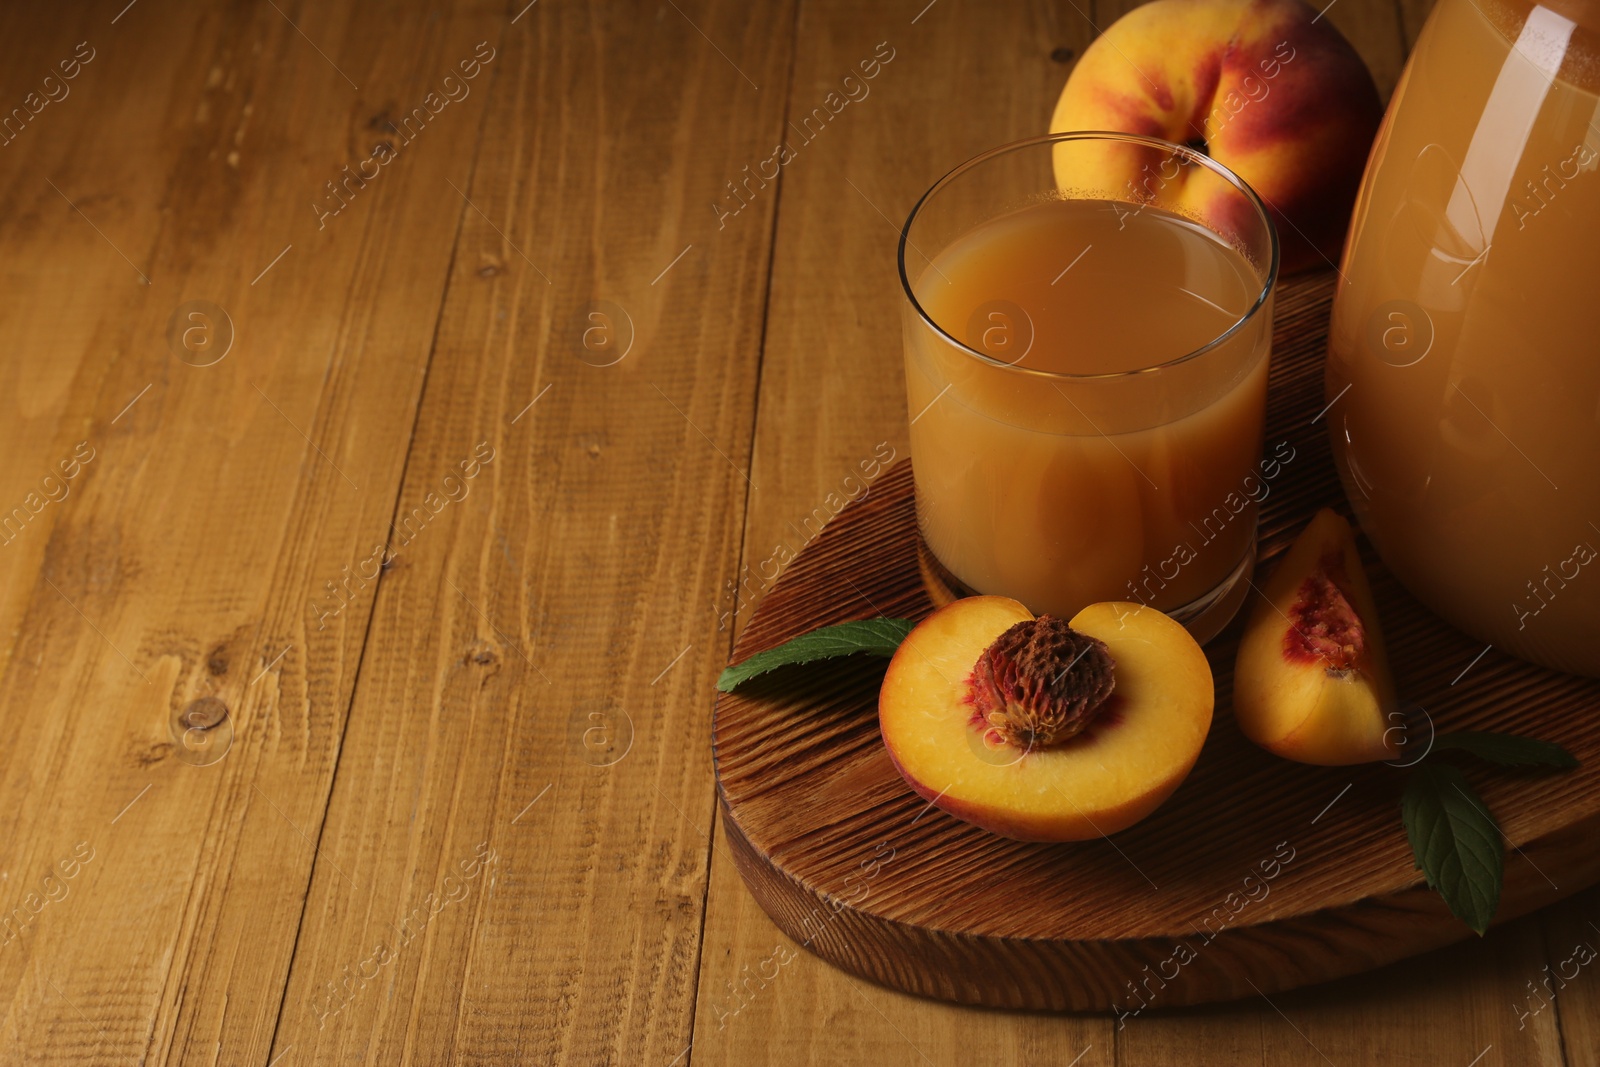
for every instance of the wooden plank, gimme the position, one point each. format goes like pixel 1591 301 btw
pixel 514 862
pixel 220 499
pixel 56 254
pixel 765 999
pixel 1564 984
pixel 964 77
pixel 1446 1007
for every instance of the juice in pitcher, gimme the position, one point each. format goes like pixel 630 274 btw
pixel 1464 354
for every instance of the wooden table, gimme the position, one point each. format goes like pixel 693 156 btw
pixel 357 680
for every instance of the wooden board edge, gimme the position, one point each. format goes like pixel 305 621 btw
pixel 1124 976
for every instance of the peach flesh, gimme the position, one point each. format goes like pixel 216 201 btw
pixel 1312 680
pixel 1123 760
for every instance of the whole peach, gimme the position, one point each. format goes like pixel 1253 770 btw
pixel 1267 88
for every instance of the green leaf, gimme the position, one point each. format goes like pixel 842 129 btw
pixel 875 637
pixel 1508 750
pixel 1456 842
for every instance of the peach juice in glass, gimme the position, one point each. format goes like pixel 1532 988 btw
pixel 1087 332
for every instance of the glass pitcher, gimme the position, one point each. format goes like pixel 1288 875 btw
pixel 1464 349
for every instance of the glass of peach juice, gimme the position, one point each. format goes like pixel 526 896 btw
pixel 1088 324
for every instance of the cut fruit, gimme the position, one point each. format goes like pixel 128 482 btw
pixel 1312 681
pixel 1041 730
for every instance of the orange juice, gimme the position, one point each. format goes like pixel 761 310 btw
pixel 1070 453
pixel 1463 347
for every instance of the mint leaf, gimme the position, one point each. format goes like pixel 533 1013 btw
pixel 875 637
pixel 1508 750
pixel 1455 841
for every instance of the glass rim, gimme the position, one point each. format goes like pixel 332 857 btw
pixel 1187 153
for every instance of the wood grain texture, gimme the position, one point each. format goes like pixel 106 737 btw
pixel 1563 988
pixel 514 860
pixel 219 500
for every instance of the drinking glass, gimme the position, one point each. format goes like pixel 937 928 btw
pixel 1061 486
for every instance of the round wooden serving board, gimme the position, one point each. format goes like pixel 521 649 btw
pixel 1257 875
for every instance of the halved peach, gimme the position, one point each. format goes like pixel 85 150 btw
pixel 1042 730
pixel 1312 681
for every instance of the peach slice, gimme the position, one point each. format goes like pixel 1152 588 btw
pixel 1043 730
pixel 1312 682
